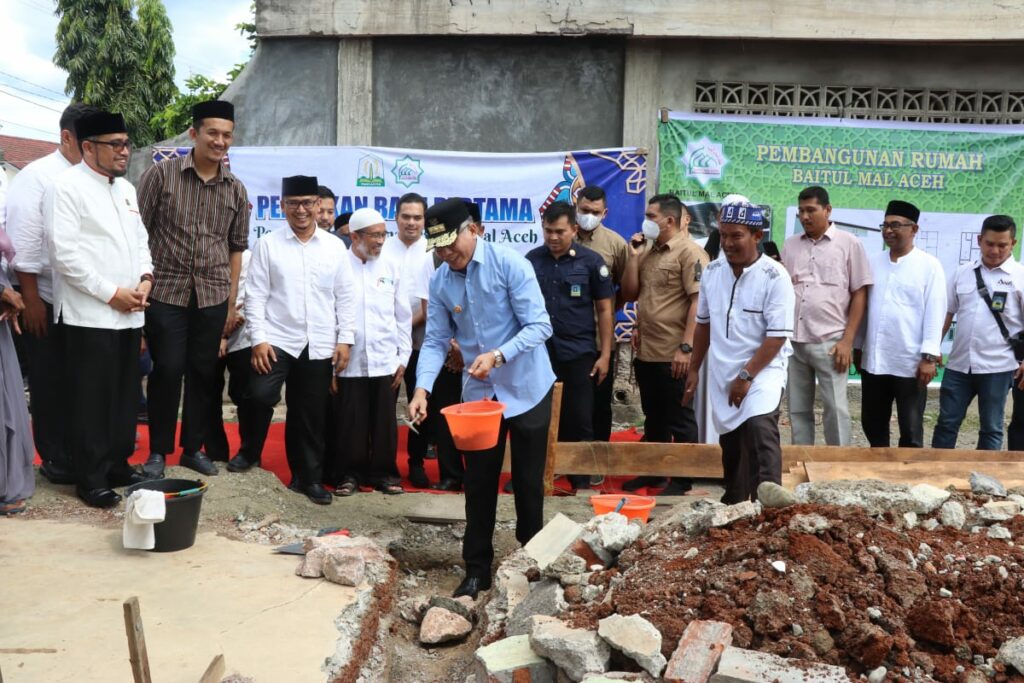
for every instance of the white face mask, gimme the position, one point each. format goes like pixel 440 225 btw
pixel 588 221
pixel 650 229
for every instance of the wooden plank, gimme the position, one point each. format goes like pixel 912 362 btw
pixel 549 457
pixel 137 654
pixel 215 672
pixel 440 518
pixel 792 453
pixel 941 474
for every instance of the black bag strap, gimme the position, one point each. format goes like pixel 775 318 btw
pixel 983 291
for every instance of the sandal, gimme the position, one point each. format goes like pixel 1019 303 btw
pixel 346 488
pixel 8 509
pixel 390 489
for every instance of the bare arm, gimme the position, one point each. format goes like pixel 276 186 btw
pixel 630 287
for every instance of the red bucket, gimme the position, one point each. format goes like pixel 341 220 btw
pixel 474 425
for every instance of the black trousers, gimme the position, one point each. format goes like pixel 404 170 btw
pixel 307 384
pixel 529 434
pixel 417 443
pixel 576 417
pixel 877 395
pixel 1015 430
pixel 46 388
pixel 102 383
pixel 665 419
pixel 603 400
pixel 447 392
pixel 183 342
pixel 366 436
pixel 751 454
pixel 238 366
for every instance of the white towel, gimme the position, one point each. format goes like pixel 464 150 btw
pixel 143 509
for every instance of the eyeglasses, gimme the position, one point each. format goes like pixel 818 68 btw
pixel 306 204
pixel 895 225
pixel 116 145
pixel 379 236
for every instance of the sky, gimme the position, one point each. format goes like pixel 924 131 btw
pixel 32 88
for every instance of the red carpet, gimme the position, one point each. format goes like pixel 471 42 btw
pixel 275 461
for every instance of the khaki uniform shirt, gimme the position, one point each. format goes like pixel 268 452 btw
pixel 669 275
pixel 613 249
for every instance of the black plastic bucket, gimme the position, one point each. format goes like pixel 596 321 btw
pixel 178 530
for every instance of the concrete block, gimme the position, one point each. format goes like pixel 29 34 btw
pixel 344 568
pixel 928 497
pixel 545 598
pixel 575 651
pixel 636 638
pixel 512 660
pixel 698 651
pixel 733 513
pixel 748 666
pixel 441 626
pixel 999 511
pixel 952 514
pixel 551 541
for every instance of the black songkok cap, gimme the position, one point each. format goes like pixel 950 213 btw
pixel 299 186
pixel 99 123
pixel 443 221
pixel 213 109
pixel 900 208
pixel 474 210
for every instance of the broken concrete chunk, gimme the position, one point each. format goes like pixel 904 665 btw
pixel 733 513
pixel 311 566
pixel 928 497
pixel 575 651
pixel 618 677
pixel 999 532
pixel 999 511
pixel 985 485
pixel 700 647
pixel 343 568
pixel 877 497
pixel 512 660
pixel 771 495
pixel 413 609
pixel 809 524
pixel 454 605
pixel 748 666
pixel 952 514
pixel 610 533
pixel 551 541
pixel 1012 653
pixel 545 598
pixel 441 626
pixel 636 638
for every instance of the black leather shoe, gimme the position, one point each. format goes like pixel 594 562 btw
pixel 57 474
pixel 98 498
pixel 447 484
pixel 471 585
pixel 198 462
pixel 240 463
pixel 579 481
pixel 154 467
pixel 317 493
pixel 125 477
pixel 644 482
pixel 418 478
pixel 677 486
pixel 218 457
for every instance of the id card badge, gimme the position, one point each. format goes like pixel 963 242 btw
pixel 577 290
pixel 998 301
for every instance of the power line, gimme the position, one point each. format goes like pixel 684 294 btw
pixel 22 125
pixel 41 87
pixel 34 94
pixel 25 99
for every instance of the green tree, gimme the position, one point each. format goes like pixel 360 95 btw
pixel 176 117
pixel 158 59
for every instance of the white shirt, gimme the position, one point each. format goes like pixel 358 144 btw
pixel 97 244
pixel 25 222
pixel 742 313
pixel 239 339
pixel 383 318
pixel 977 346
pixel 906 310
pixel 417 269
pixel 299 294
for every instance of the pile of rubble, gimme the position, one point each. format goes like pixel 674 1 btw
pixel 839 581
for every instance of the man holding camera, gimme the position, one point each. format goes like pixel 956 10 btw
pixel 987 296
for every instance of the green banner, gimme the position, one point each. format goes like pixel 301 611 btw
pixel 956 175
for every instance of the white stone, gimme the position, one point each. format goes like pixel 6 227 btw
pixel 779 566
pixel 877 675
pixel 690 554
pixel 771 495
pixel 611 532
pixel 952 514
pixel 733 513
pixel 575 651
pixel 1011 652
pixel 551 541
pixel 910 519
pixel 945 593
pixel 928 497
pixel 985 485
pixel 999 532
pixel 636 638
pixel 999 511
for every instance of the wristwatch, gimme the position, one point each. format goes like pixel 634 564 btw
pixel 685 348
pixel 499 358
pixel 929 357
pixel 745 376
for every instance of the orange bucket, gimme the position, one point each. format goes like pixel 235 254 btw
pixel 474 425
pixel 636 507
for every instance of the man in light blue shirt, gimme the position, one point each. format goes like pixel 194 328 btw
pixel 488 299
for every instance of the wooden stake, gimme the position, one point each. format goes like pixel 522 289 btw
pixel 549 462
pixel 138 656
pixel 215 671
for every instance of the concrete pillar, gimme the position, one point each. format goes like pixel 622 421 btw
pixel 641 102
pixel 355 91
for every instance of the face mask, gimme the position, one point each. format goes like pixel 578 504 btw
pixel 588 221
pixel 650 229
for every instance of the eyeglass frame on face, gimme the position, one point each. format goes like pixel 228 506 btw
pixel 895 226
pixel 379 236
pixel 306 204
pixel 115 145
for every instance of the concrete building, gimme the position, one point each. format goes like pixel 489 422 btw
pixel 536 75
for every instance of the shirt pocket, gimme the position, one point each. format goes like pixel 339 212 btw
pixel 831 270
pixel 668 276
pixel 576 285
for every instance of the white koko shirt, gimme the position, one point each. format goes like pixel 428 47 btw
pixel 383 319
pixel 26 221
pixel 742 313
pixel 978 347
pixel 417 269
pixel 300 293
pixel 97 243
pixel 906 310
